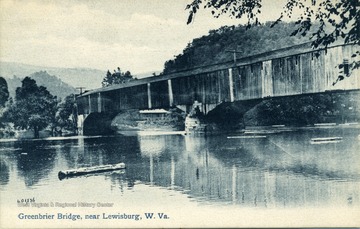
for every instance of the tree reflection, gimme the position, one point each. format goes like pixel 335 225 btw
pixel 277 171
pixel 249 172
pixel 4 173
pixel 35 160
pixel 106 150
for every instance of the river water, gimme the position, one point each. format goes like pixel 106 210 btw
pixel 193 180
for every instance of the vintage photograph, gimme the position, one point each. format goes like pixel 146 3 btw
pixel 179 114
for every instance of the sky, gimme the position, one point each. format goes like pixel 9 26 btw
pixel 135 35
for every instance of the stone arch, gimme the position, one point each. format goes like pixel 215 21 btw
pixel 99 124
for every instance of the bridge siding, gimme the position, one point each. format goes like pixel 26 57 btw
pixel 348 51
pixel 213 95
pixel 159 94
pixel 250 84
pixel 94 101
pixel 296 74
pixel 107 103
pixel 305 65
pixel 267 79
pixel 135 97
pixel 317 66
pixel 332 57
pixel 178 85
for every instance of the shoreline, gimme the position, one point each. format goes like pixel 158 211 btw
pixel 274 129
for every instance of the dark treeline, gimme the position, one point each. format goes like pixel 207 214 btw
pixel 118 77
pixel 53 83
pixel 216 46
pixel 35 108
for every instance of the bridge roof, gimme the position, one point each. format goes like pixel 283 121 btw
pixel 279 53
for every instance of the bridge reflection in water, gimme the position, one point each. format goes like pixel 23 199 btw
pixel 280 171
pixel 254 172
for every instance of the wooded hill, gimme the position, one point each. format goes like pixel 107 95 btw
pixel 75 77
pixel 214 47
pixel 54 84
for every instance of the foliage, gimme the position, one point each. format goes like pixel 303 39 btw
pixel 4 92
pixel 304 110
pixel 330 20
pixel 66 116
pixel 52 83
pixel 235 8
pixel 6 130
pixel 117 77
pixel 34 107
pixel 214 47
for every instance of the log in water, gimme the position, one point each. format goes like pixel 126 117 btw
pixel 325 140
pixel 88 170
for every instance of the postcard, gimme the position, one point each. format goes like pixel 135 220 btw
pixel 179 114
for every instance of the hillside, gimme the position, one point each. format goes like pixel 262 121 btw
pixel 54 85
pixel 216 47
pixel 75 77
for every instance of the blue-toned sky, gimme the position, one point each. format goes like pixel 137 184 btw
pixel 136 35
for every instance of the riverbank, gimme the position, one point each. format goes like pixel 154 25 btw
pixel 247 131
pixel 50 138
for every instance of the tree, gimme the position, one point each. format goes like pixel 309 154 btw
pixel 34 107
pixel 4 92
pixel 325 20
pixel 66 117
pixel 117 77
pixel 214 47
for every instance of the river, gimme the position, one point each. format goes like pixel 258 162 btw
pixel 206 180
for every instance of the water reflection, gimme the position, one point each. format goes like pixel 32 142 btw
pixel 34 160
pixel 264 172
pixel 4 172
pixel 283 170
